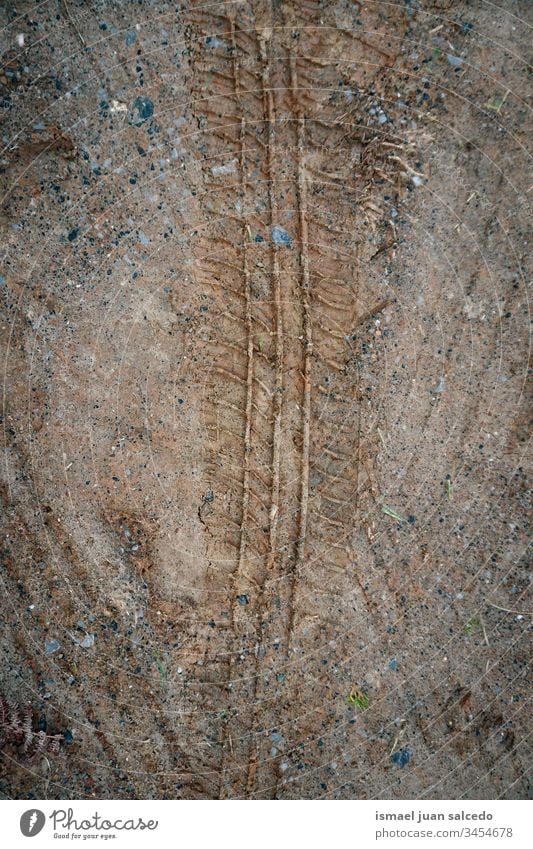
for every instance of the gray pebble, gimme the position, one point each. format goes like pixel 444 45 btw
pixel 143 109
pixel 281 237
pixel 51 646
pixel 455 61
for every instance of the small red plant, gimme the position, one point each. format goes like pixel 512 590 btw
pixel 16 729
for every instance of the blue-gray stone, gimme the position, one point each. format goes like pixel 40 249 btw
pixel 402 757
pixel 51 646
pixel 143 109
pixel 281 237
pixel 455 61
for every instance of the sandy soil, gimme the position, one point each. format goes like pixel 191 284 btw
pixel 265 343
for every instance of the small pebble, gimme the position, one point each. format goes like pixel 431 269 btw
pixel 227 168
pixel 51 646
pixel 281 237
pixel 455 61
pixel 402 757
pixel 143 109
pixel 213 41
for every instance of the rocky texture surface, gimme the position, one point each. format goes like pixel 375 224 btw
pixel 265 334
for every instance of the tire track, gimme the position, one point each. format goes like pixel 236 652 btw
pixel 244 785
pixel 284 388
pixel 270 115
pixel 251 430
pixel 241 571
pixel 307 336
pixel 263 578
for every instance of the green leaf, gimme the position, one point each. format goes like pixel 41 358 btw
pixel 392 513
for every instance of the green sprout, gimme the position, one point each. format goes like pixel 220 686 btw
pixel 472 625
pixel 159 665
pixel 437 52
pixel 495 103
pixel 358 699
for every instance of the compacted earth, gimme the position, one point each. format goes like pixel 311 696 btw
pixel 265 414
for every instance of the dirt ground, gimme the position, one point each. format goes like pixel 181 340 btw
pixel 264 351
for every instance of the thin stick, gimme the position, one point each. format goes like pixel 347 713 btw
pixel 506 609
